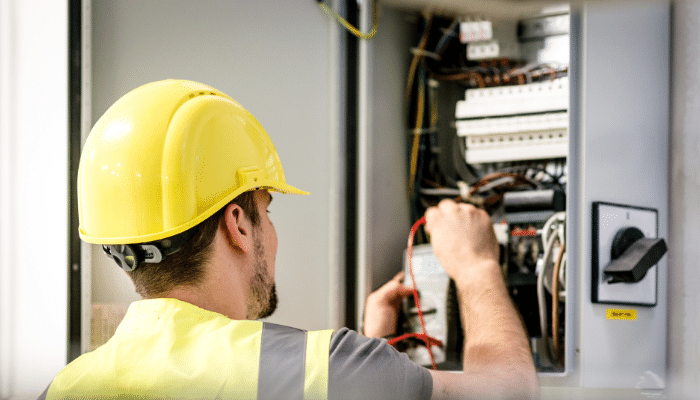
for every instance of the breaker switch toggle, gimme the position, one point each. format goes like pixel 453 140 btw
pixel 632 255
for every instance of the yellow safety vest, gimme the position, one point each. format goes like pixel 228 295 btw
pixel 166 348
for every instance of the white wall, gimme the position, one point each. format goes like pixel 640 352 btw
pixel 273 57
pixel 684 248
pixel 33 194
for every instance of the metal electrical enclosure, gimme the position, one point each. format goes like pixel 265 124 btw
pixel 618 152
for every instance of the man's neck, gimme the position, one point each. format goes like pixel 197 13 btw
pixel 220 292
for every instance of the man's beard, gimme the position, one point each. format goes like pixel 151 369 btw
pixel 262 295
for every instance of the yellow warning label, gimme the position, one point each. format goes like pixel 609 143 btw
pixel 613 313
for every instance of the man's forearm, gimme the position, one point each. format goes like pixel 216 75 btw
pixel 494 334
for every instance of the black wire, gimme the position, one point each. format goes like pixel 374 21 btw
pixel 459 161
pixel 525 168
pixel 419 178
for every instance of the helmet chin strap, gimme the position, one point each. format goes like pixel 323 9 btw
pixel 129 256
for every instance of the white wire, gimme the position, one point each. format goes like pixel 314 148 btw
pixel 457 192
pixel 441 191
pixel 557 217
pixel 463 189
pixel 496 182
pixel 540 290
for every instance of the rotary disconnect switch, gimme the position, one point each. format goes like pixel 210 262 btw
pixel 632 255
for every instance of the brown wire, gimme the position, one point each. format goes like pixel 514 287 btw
pixel 555 304
pixel 497 175
pixel 462 76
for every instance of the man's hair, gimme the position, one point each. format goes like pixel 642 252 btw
pixel 186 267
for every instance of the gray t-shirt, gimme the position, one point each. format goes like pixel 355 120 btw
pixel 364 368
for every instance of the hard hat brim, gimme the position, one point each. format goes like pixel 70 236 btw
pixel 286 189
pixel 270 185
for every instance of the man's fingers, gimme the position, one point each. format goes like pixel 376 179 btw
pixel 394 289
pixel 387 290
pixel 405 290
pixel 431 214
pixel 399 291
pixel 447 204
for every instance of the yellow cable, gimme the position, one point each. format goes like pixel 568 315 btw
pixel 416 57
pixel 348 26
pixel 433 108
pixel 414 162
pixel 416 138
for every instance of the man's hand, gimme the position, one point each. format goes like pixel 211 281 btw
pixel 497 357
pixel 382 307
pixel 462 235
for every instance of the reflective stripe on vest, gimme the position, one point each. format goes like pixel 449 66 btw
pixel 192 354
pixel 293 363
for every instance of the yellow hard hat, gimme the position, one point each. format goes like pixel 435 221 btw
pixel 167 156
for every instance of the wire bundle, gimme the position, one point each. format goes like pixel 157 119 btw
pixel 552 231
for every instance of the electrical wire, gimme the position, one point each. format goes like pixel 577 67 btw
pixel 458 160
pixel 539 70
pixel 555 303
pixel 416 57
pixel 557 217
pixel 449 33
pixel 416 137
pixel 440 191
pixel 421 237
pixel 542 305
pixel 483 76
pixel 414 162
pixel 506 180
pixel 487 183
pixel 549 234
pixel 524 169
pixel 488 178
pixel 342 21
pixel 433 103
pixel 492 181
pixel 429 341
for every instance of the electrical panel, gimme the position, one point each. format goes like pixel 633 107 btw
pixel 554 139
pixel 616 153
pixel 508 135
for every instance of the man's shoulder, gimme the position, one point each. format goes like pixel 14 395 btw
pixel 346 338
pixel 369 368
pixel 349 344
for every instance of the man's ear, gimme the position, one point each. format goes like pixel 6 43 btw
pixel 239 229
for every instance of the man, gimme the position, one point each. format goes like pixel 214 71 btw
pixel 174 182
